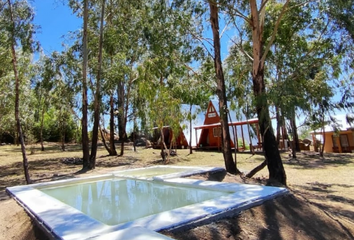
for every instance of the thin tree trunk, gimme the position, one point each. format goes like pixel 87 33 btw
pixel 85 139
pixel 295 138
pixel 164 148
pixel 112 145
pixel 190 129
pixel 97 102
pixel 121 124
pixel 277 114
pixel 234 132
pixel 295 135
pixel 62 138
pixel 41 131
pixel 257 169
pixel 17 98
pixel 104 141
pixel 221 91
pixel 324 139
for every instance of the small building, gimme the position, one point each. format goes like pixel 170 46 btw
pixel 180 141
pixel 341 141
pixel 210 136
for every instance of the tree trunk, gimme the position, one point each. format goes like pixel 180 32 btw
pixel 257 169
pixel 62 138
pixel 164 149
pixel 85 139
pixel 41 133
pixel 104 141
pixel 17 98
pixel 324 139
pixel 270 146
pixel 121 123
pixel 112 146
pixel 97 102
pixel 295 135
pixel 221 92
pixel 277 114
pixel 190 130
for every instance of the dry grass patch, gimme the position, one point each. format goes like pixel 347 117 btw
pixel 323 191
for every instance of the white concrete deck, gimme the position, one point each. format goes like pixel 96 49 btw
pixel 65 222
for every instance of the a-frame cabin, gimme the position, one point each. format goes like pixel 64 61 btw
pixel 210 136
pixel 179 142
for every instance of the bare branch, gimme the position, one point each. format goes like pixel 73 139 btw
pixel 262 6
pixel 241 49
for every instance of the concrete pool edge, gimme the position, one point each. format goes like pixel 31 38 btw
pixel 188 171
pixel 68 221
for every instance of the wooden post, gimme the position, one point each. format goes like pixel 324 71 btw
pixel 243 138
pixel 196 139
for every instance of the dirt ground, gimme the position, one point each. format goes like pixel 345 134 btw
pixel 320 204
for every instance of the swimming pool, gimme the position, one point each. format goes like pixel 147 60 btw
pixel 111 203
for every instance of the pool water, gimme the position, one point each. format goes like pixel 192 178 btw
pixel 114 201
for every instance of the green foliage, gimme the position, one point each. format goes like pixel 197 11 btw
pixel 52 128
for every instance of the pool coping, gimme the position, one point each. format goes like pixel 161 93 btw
pixel 65 222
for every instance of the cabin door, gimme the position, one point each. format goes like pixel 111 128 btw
pixel 344 143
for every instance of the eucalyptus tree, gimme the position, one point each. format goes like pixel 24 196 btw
pixel 193 91
pixel 7 95
pixel 125 22
pixel 18 29
pixel 55 90
pixel 167 35
pixel 253 13
pixel 85 139
pixel 97 98
pixel 300 50
pixel 221 89
pixel 341 14
pixel 43 86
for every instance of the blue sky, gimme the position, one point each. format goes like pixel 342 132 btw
pixel 55 20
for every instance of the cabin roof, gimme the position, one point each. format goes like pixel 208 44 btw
pixel 239 123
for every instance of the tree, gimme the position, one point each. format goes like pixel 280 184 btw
pixel 85 140
pixel 97 100
pixel 221 91
pixel 255 20
pixel 20 30
pixel 43 88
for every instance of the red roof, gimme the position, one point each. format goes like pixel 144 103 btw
pixel 249 121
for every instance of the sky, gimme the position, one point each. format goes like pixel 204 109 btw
pixel 55 21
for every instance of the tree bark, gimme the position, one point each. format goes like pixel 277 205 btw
pixel 221 91
pixel 120 116
pixel 270 146
pixel 112 146
pixel 277 114
pixel 190 130
pixel 97 102
pixel 85 139
pixel 295 135
pixel 41 133
pixel 257 169
pixel 17 97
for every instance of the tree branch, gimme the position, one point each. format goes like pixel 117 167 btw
pixel 274 31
